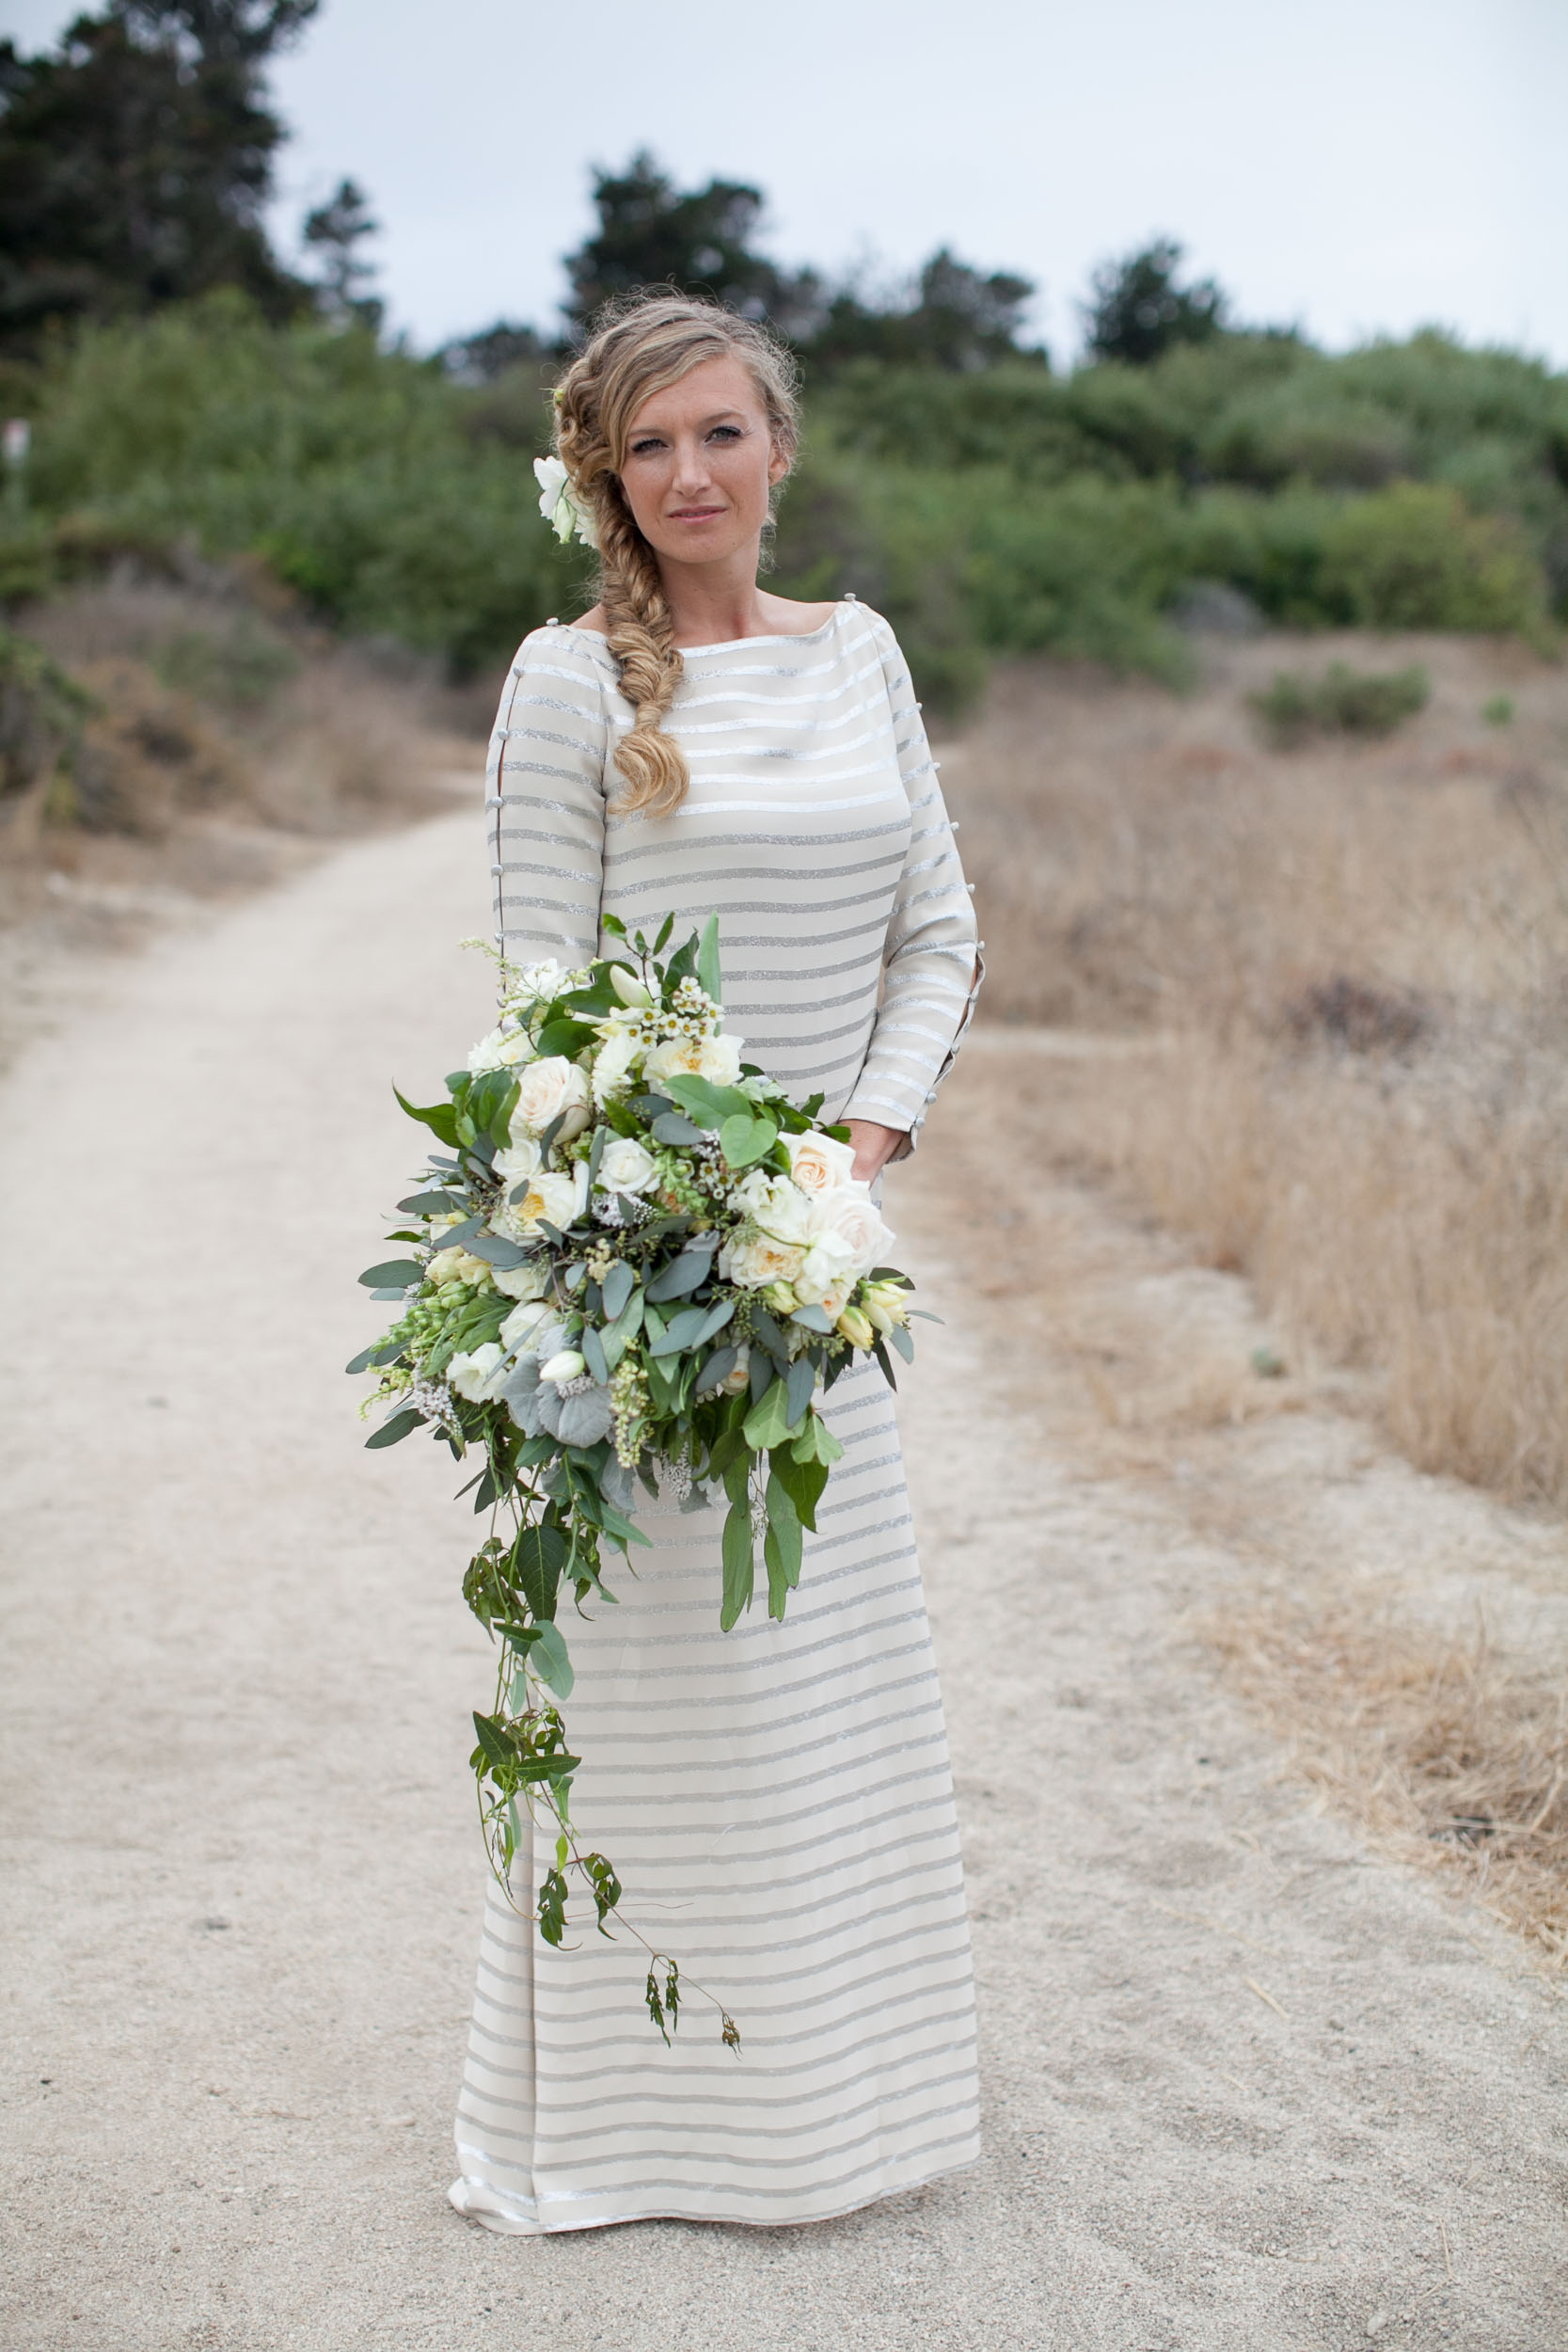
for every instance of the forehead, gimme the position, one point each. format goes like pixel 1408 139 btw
pixel 710 389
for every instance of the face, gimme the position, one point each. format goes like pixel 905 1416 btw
pixel 699 464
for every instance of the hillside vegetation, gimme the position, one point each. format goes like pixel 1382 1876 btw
pixel 1003 509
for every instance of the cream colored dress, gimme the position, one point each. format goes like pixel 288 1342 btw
pixel 778 1799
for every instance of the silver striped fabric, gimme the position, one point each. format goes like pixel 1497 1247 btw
pixel 777 1800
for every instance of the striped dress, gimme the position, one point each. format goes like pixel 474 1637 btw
pixel 777 1800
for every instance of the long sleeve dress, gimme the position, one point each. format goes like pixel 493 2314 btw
pixel 777 1800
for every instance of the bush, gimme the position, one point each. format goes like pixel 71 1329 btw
pixel 1415 557
pixel 42 712
pixel 1343 702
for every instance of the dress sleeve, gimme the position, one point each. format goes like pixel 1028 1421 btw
pixel 544 798
pixel 932 966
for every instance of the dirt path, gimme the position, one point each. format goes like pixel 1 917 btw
pixel 1249 2086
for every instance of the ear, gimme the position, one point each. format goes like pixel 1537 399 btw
pixel 778 465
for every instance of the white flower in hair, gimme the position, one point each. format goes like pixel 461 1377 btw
pixel 557 504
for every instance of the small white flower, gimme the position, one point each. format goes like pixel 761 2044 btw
pixel 559 504
pixel 501 1049
pixel 613 1064
pixel 567 1365
pixel 480 1375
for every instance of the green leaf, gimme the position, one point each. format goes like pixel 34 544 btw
pixel 439 1117
pixel 802 1481
pixel 737 1547
pixel 592 1352
pixel 904 1342
pixel 885 1360
pixel 619 1284
pixel 770 1422
pixel 392 1431
pixel 784 1545
pixel 673 1127
pixel 682 1275
pixel 664 931
pixel 811 1319
pixel 548 1658
pixel 498 1748
pixel 553 1907
pixel 538 1557
pixel 801 1381
pixel 707 1104
pixel 565 1037
pixel 682 1331
pixel 362 1362
pixel 394 1274
pixel 816 1442
pixel 720 1312
pixel 431 1204
pixel 745 1139
pixel 707 958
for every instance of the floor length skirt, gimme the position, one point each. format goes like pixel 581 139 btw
pixel 778 1805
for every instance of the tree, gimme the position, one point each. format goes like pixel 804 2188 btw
pixel 952 318
pixel 135 160
pixel 1139 312
pixel 336 230
pixel 651 235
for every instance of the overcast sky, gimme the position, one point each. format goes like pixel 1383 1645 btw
pixel 1353 166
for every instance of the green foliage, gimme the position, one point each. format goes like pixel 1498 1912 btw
pixel 1342 702
pixel 42 712
pixel 1139 312
pixel 135 162
pixel 1499 711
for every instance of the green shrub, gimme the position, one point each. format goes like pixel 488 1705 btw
pixel 42 713
pixel 1414 556
pixel 1342 702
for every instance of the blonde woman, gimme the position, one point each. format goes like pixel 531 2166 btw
pixel 778 1799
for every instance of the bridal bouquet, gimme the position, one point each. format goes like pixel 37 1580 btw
pixel 635 1264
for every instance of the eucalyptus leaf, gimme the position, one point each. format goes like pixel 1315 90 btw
pixel 682 1275
pixel 549 1659
pixel 674 1127
pixel 619 1284
pixel 397 1274
pixel 392 1431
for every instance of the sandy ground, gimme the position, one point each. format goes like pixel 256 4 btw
pixel 1250 2087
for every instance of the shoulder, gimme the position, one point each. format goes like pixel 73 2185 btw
pixel 874 630
pixel 564 660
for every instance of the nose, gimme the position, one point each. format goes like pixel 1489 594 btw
pixel 692 473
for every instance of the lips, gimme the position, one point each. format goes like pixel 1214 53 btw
pixel 696 513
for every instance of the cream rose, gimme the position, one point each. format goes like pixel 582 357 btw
pixel 559 1198
pixel 525 1283
pixel 481 1375
pixel 852 1217
pixel 550 1090
pixel 754 1263
pixel 716 1059
pixel 776 1204
pixel 818 1163
pixel 456 1265
pixel 523 1322
pixel 829 1271
pixel 624 1167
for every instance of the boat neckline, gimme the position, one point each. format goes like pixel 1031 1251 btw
pixel 729 645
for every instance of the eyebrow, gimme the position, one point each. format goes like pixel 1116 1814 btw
pixel 720 415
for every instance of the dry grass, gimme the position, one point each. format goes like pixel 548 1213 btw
pixel 1447 1750
pixel 1358 958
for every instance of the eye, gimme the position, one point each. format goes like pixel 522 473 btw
pixel 727 433
pixel 647 446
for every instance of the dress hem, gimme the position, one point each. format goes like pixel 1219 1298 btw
pixel 464 2196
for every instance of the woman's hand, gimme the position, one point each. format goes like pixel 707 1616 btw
pixel 873 1147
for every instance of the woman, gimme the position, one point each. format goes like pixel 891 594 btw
pixel 777 1800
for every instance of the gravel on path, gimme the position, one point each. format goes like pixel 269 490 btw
pixel 1249 2088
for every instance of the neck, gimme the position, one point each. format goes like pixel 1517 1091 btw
pixel 711 604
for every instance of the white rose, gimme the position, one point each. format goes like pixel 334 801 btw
pixel 613 1064
pixel 567 1365
pixel 851 1215
pixel 550 1090
pixel 818 1163
pixel 536 983
pixel 828 1269
pixel 561 1199
pixel 624 1167
pixel 719 1059
pixel 753 1264
pixel 500 1050
pixel 527 1282
pixel 481 1375
pixel 523 1322
pixel 832 1297
pixel 517 1161
pixel 775 1204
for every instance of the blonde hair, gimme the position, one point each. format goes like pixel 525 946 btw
pixel 642 344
